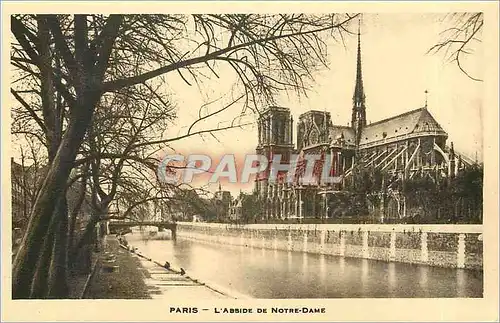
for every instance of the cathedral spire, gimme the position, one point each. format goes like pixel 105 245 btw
pixel 359 95
pixel 358 99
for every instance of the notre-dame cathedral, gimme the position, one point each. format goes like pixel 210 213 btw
pixel 398 147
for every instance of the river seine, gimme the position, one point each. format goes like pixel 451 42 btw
pixel 263 273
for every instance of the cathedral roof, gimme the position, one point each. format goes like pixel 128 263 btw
pixel 416 122
pixel 336 132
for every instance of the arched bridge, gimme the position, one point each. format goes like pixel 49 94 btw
pixel 172 226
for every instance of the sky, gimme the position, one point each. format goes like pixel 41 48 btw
pixel 397 70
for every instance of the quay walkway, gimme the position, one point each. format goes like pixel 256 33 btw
pixel 163 283
pixel 125 273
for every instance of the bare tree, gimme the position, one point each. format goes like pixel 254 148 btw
pixel 460 40
pixel 73 61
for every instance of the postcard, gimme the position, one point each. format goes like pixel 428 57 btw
pixel 250 161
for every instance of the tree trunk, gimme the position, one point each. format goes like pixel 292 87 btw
pixel 71 233
pixel 52 188
pixel 88 92
pixel 74 215
pixel 39 283
pixel 30 267
pixel 58 274
pixel 85 238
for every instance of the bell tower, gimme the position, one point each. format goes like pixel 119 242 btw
pixel 275 138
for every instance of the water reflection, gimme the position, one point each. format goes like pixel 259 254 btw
pixel 341 261
pixel 391 278
pixel 289 274
pixel 305 267
pixel 322 268
pixel 461 283
pixel 364 276
pixel 423 279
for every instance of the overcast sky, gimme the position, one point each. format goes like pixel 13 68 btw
pixel 396 72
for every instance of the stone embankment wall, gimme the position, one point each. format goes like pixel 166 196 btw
pixel 454 246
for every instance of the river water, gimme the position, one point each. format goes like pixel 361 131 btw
pixel 264 273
